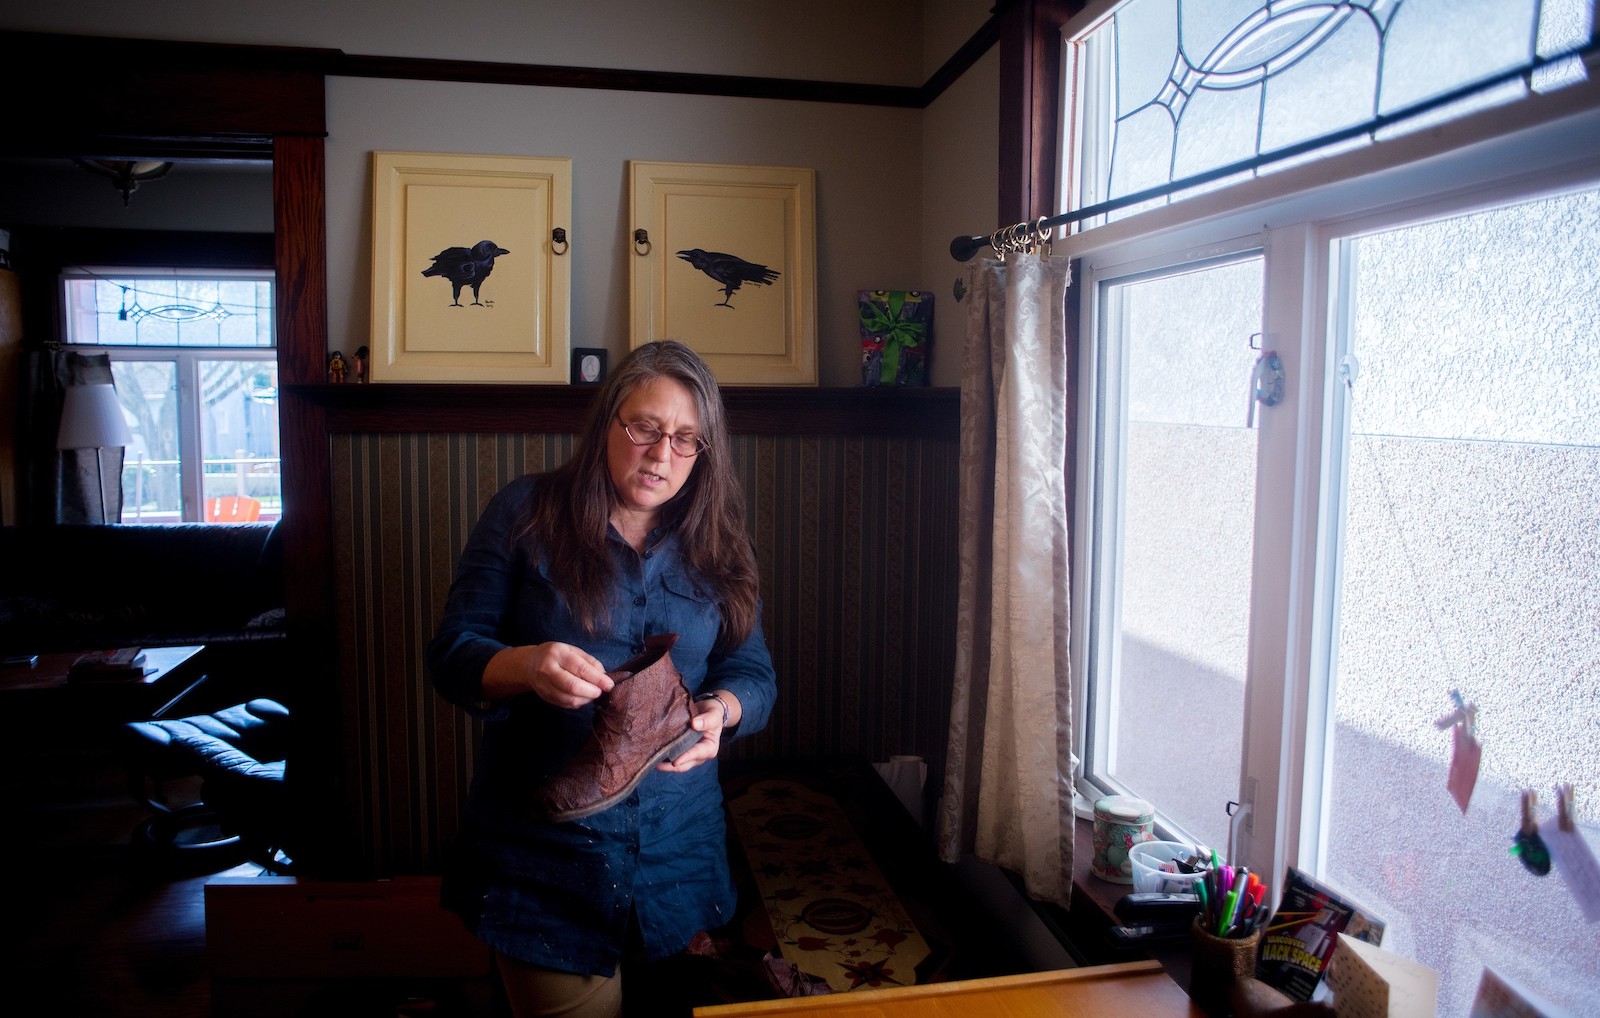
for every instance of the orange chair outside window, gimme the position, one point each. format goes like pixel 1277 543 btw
pixel 233 509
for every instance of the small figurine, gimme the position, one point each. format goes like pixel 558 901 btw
pixel 359 363
pixel 336 367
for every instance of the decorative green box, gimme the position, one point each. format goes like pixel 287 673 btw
pixel 896 331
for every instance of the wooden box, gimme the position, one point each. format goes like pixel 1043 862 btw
pixel 275 942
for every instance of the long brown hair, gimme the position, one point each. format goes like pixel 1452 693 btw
pixel 570 515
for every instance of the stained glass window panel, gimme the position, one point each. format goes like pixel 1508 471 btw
pixel 1433 46
pixel 1233 83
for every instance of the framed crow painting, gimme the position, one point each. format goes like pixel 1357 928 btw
pixel 724 259
pixel 470 275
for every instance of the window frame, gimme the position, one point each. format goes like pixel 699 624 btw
pixel 186 359
pixel 1296 216
pixel 191 478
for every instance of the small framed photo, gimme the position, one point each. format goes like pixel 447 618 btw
pixel 588 365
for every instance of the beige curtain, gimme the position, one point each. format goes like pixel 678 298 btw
pixel 1008 776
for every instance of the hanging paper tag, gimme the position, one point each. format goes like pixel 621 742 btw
pixel 1464 763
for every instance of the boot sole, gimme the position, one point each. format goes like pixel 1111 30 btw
pixel 671 752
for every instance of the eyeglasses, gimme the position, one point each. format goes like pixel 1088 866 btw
pixel 645 433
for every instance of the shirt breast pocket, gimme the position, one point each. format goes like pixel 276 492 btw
pixel 693 612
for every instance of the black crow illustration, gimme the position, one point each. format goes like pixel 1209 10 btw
pixel 728 270
pixel 465 267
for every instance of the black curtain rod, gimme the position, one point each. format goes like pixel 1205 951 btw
pixel 964 247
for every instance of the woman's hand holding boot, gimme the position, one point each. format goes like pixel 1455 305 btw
pixel 561 674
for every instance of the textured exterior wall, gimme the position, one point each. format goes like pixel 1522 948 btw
pixel 1467 565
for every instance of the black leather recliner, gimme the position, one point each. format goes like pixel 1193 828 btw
pixel 238 754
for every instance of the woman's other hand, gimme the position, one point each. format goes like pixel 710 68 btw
pixel 707 720
pixel 561 674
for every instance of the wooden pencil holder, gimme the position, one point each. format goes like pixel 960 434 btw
pixel 1216 963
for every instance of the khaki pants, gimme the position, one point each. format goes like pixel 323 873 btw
pixel 534 990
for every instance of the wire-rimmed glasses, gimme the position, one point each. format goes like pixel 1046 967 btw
pixel 645 433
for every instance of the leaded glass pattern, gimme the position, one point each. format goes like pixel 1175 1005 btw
pixel 1172 89
pixel 169 311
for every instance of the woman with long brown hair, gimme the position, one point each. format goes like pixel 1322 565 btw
pixel 605 622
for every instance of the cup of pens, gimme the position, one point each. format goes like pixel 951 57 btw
pixel 1226 934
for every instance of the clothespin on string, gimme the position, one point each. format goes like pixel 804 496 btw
pixel 1464 713
pixel 1467 752
pixel 1571 856
pixel 1528 846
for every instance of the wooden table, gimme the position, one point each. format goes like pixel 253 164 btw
pixel 169 676
pixel 1135 988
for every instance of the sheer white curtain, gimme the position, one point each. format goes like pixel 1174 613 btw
pixel 1008 779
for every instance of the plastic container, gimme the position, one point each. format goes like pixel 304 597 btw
pixel 1147 859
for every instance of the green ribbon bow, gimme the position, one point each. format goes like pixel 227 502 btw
pixel 876 320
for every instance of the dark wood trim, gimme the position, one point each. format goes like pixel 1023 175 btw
pixel 130 98
pixel 1031 96
pixel 320 778
pixel 893 411
pixel 302 308
pixel 53 248
pixel 1030 106
pixel 558 409
pixel 623 80
pixel 618 79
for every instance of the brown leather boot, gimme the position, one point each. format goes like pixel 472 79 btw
pixel 642 721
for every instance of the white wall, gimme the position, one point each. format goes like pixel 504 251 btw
pixel 960 181
pixel 893 185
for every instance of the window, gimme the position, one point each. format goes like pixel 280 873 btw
pixel 193 358
pixel 1183 96
pixel 1273 603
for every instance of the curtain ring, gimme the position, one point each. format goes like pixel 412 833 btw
pixel 1041 234
pixel 641 239
pixel 559 236
pixel 998 242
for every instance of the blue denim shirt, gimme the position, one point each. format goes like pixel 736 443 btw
pixel 559 895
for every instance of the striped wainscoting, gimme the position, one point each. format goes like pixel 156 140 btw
pixel 856 541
